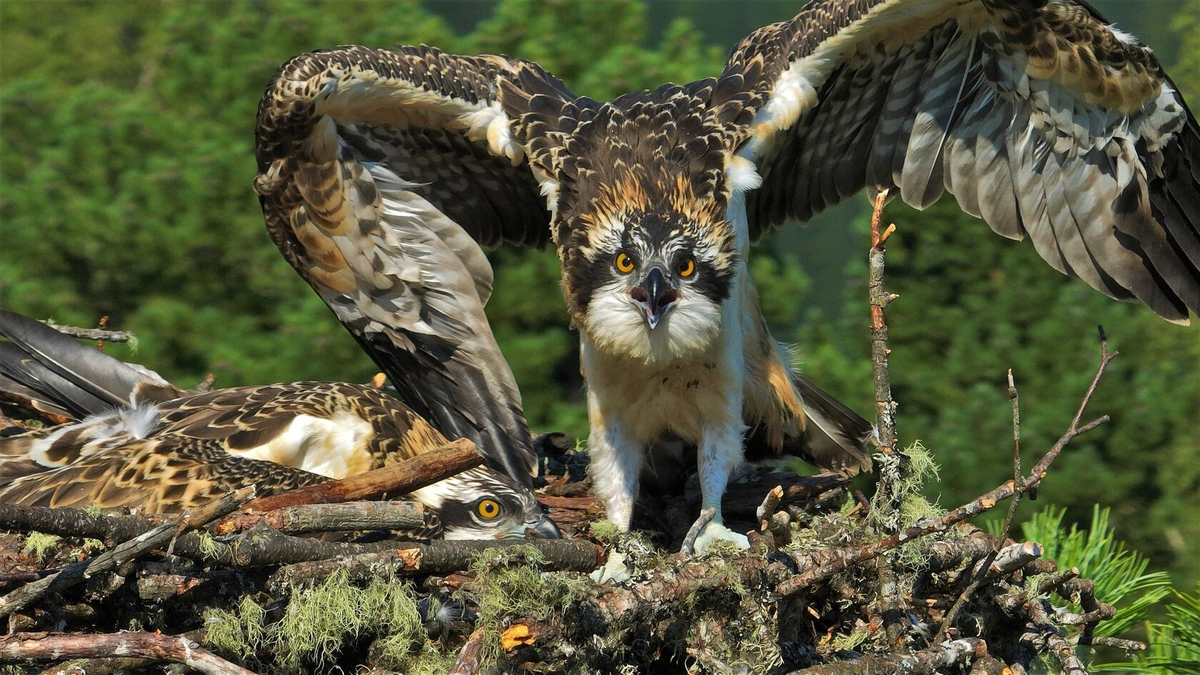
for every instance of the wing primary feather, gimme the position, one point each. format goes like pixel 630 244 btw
pixel 75 376
pixel 1038 116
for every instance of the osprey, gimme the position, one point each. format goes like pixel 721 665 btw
pixel 381 173
pixel 141 442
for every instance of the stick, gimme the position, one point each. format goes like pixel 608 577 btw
pixel 885 406
pixel 402 478
pixel 1039 471
pixel 33 647
pixel 823 563
pixel 893 467
pixel 72 522
pixel 768 506
pixel 471 656
pixel 1116 643
pixel 439 557
pixel 97 334
pixel 1051 641
pixel 66 521
pixel 123 553
pixel 928 661
pixel 197 586
pixel 1019 487
pixel 349 516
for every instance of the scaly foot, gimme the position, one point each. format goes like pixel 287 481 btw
pixel 714 532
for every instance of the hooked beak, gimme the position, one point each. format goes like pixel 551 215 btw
pixel 546 528
pixel 542 528
pixel 655 296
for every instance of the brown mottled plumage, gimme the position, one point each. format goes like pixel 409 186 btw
pixel 183 452
pixel 164 450
pixel 381 173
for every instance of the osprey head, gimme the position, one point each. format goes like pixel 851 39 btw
pixel 485 504
pixel 648 285
pixel 638 194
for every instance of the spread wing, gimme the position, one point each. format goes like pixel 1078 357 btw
pixel 381 174
pixel 1036 115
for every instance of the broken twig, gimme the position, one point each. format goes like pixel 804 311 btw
pixel 154 647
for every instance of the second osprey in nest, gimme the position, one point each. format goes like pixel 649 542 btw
pixel 382 173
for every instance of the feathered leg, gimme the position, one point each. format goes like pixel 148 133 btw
pixel 718 455
pixel 615 467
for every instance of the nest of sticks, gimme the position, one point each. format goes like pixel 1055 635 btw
pixel 322 578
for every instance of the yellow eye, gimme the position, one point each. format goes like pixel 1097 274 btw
pixel 624 263
pixel 687 268
pixel 488 508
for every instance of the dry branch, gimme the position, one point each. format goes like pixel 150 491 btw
pixel 992 564
pixel 471 657
pixel 885 406
pixel 1044 635
pixel 154 647
pixel 956 653
pixel 767 509
pixel 97 334
pixel 823 563
pixel 196 586
pixel 348 516
pixel 398 479
pixel 71 522
pixel 162 535
pixel 1115 643
pixel 439 557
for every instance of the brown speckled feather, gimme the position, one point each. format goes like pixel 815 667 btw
pixel 1036 115
pixel 381 174
pixel 185 451
pixel 153 476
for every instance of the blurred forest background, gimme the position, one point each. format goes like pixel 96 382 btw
pixel 126 152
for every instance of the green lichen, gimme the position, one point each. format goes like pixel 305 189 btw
pixel 91 546
pixel 319 621
pixel 914 506
pixel 237 633
pixel 37 543
pixel 316 623
pixel 207 544
pixel 394 654
pixel 604 530
pixel 909 487
pixel 93 510
pixel 510 583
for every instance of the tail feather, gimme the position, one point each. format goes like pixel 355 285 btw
pixel 63 371
pixel 833 437
pixel 834 430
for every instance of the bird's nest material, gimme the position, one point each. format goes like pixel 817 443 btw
pixel 832 583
